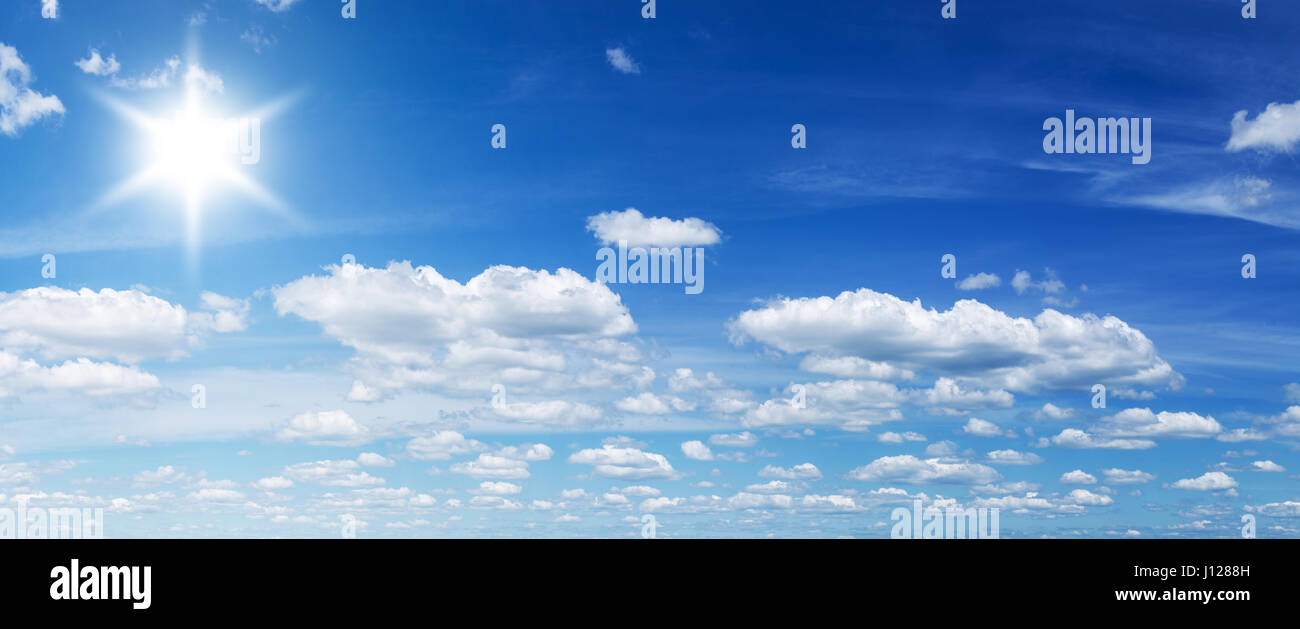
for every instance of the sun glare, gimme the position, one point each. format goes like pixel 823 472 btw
pixel 192 150
pixel 195 153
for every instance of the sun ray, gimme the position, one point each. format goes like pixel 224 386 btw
pixel 126 189
pixel 196 153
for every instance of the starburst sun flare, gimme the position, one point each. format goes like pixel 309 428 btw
pixel 195 152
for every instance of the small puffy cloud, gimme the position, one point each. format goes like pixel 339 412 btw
pixel 527 452
pixel 622 61
pixel 1053 412
pixel 773 487
pixel 324 428
pixel 50 9
pixel 1085 497
pixel 497 488
pixel 97 65
pixel 164 474
pixel 1078 477
pixel 492 466
pixel 642 231
pixel 640 491
pixel 441 445
pixel 1142 422
pixel 697 450
pixel 803 471
pixel 1012 457
pixel 981 428
pixel 272 483
pixel 1209 481
pixel 646 404
pixel 1075 438
pixel 612 499
pixel 1116 476
pixel 1267 466
pixel 494 502
pixel 894 437
pixel 362 393
pixel 980 281
pixel 684 379
pixel 909 469
pixel 20 105
pixel 1276 129
pixel 345 473
pixel 660 503
pixel 371 459
pixel 941 448
pixel 1023 281
pixel 220 314
pixel 625 463
pixel 736 440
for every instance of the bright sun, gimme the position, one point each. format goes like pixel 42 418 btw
pixel 197 154
pixel 193 151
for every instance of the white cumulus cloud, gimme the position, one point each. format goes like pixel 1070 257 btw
pixel 980 281
pixel 529 330
pixel 1209 481
pixel 697 450
pixel 324 428
pixel 970 342
pixel 98 65
pixel 909 469
pixel 625 463
pixel 639 230
pixel 1277 128
pixel 20 105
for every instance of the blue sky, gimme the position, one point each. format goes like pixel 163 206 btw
pixel 365 390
